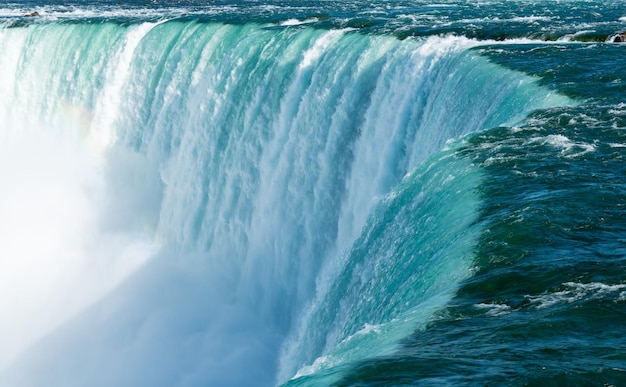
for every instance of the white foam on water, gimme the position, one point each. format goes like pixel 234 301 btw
pixel 494 309
pixel 297 22
pixel 576 291
pixel 569 148
pixel 530 19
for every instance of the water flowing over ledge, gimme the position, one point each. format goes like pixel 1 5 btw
pixel 238 187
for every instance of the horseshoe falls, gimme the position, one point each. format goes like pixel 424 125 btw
pixel 312 194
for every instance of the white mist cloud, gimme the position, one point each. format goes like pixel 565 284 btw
pixel 168 325
pixel 55 256
pixel 87 296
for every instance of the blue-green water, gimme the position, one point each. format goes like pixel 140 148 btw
pixel 312 193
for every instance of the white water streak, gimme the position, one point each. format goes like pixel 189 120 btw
pixel 116 77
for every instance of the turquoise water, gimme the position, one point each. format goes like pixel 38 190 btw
pixel 312 193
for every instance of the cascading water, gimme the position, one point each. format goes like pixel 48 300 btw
pixel 225 201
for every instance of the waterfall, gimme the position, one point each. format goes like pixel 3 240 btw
pixel 193 203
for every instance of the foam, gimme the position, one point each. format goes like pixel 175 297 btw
pixel 495 309
pixel 576 291
pixel 568 148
